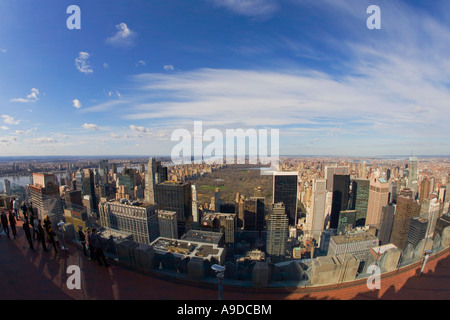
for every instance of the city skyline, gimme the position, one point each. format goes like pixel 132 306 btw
pixel 134 73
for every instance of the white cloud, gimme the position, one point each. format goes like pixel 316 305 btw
pixel 32 97
pixel 105 65
pixel 10 120
pixel 140 63
pixel 124 37
pixel 4 128
pixel 90 126
pixel 3 51
pixel 76 103
pixel 25 132
pixel 249 8
pixel 169 67
pixel 44 140
pixel 8 140
pixel 82 64
pixel 139 129
pixel 113 93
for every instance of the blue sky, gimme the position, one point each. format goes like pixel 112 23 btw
pixel 138 70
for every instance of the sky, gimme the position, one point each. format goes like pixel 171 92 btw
pixel 138 70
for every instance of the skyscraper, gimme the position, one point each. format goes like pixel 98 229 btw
pixel 156 173
pixel 424 189
pixel 45 197
pixel 417 230
pixel 330 171
pixel 387 220
pixel 412 174
pixel 378 197
pixel 316 218
pixel 277 232
pixel 7 186
pixel 360 188
pixel 140 219
pixel 103 170
pixel 89 187
pixel 433 215
pixel 195 211
pixel 175 196
pixel 341 184
pixel 167 221
pixel 406 209
pixel 285 189
pixel 254 214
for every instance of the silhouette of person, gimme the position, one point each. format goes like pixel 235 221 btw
pixel 27 230
pixel 96 243
pixel 12 223
pixel 4 219
pixel 41 234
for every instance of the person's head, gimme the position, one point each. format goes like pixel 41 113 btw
pixel 94 230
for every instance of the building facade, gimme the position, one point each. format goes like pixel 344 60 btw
pixel 140 219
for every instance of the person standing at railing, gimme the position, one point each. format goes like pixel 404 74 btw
pixel 26 229
pixel 89 245
pixel 96 243
pixel 51 238
pixel 82 239
pixel 16 206
pixel 34 225
pixel 12 223
pixel 24 209
pixel 4 219
pixel 41 234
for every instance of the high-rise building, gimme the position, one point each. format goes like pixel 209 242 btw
pixel 7 187
pixel 360 188
pixel 432 216
pixel 316 218
pixel 89 187
pixel 254 214
pixel 442 223
pixel 103 170
pixel 347 220
pixel 378 197
pixel 175 196
pixel 167 221
pixel 156 173
pixel 285 190
pixel 195 211
pixel 331 171
pixel 45 197
pixel 424 189
pixel 392 193
pixel 412 174
pixel 417 230
pixel 406 209
pixel 221 222
pixel 341 185
pixel 139 219
pixel 357 243
pixel 387 220
pixel 277 232
pixel 217 200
